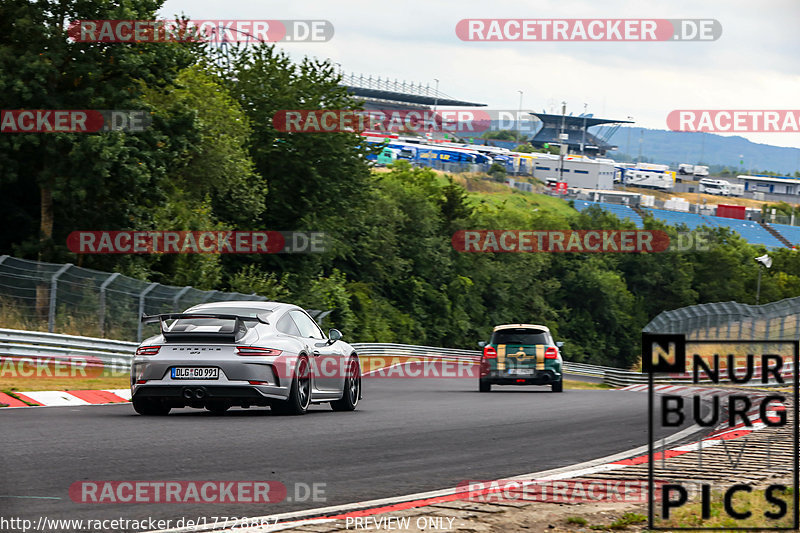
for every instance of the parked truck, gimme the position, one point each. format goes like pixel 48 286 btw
pixel 692 170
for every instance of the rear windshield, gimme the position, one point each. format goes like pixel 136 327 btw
pixel 214 325
pixel 520 336
pixel 239 311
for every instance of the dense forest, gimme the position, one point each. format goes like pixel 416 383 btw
pixel 212 160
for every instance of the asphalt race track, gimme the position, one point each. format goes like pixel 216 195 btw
pixel 406 436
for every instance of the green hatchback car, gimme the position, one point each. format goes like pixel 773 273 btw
pixel 521 354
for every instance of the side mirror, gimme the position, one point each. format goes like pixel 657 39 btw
pixel 482 344
pixel 334 335
pixel 560 344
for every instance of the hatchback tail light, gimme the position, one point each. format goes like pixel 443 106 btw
pixel 147 350
pixel 489 352
pixel 256 350
pixel 551 353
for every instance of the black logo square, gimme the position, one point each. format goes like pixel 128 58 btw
pixel 663 353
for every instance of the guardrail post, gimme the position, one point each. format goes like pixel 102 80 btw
pixel 102 306
pixel 208 296
pixel 142 297
pixel 177 298
pixel 51 316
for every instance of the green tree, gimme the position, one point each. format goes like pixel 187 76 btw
pixel 79 176
pixel 216 165
pixel 500 135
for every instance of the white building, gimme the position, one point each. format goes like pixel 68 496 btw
pixel 582 173
pixel 770 184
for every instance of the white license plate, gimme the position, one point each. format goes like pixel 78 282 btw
pixel 195 372
pixel 521 371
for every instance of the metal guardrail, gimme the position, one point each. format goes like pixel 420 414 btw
pixel 586 369
pixel 20 343
pixel 117 355
pixel 406 350
pixel 86 351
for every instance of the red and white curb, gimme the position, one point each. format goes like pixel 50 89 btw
pixel 64 398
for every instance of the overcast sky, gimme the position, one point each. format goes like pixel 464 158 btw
pixel 755 64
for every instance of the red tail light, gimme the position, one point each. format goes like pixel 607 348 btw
pixel 551 353
pixel 147 350
pixel 489 352
pixel 256 350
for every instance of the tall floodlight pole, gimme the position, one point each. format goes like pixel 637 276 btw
pixel 641 141
pixel 561 140
pixel 583 136
pixel 519 113
pixel 435 101
pixel 628 146
pixel 766 262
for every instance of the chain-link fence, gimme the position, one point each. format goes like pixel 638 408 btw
pixel 65 298
pixel 732 321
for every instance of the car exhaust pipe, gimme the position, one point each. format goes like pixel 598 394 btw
pixel 199 394
pixel 187 394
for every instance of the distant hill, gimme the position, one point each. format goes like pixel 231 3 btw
pixel 674 147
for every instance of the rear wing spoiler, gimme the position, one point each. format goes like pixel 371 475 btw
pixel 228 335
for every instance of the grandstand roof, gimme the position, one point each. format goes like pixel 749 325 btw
pixel 408 98
pixel 548 118
pixel 398 94
pixel 574 127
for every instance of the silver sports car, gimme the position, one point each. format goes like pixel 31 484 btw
pixel 224 354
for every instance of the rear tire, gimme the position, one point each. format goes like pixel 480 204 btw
pixel 150 407
pixel 299 393
pixel 484 386
pixel 557 386
pixel 352 388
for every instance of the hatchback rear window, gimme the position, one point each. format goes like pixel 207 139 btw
pixel 520 336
